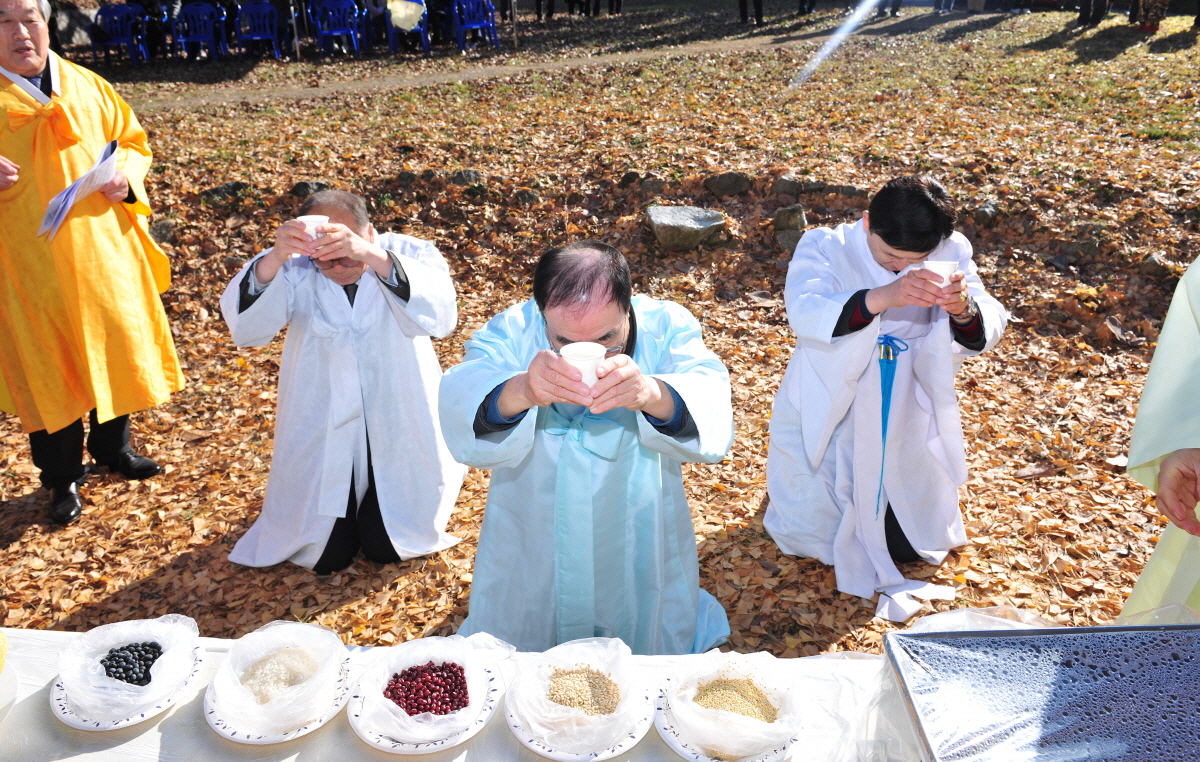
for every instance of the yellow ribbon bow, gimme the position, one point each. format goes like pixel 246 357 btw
pixel 60 120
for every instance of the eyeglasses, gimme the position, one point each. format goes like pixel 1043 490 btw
pixel 608 351
pixel 326 264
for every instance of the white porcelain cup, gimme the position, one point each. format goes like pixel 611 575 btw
pixel 585 355
pixel 943 270
pixel 312 222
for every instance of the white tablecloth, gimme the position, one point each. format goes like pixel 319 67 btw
pixel 31 733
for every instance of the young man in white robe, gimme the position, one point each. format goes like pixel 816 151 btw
pixel 847 290
pixel 359 460
pixel 587 531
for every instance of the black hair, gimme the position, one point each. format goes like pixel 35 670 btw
pixel 579 272
pixel 349 203
pixel 913 213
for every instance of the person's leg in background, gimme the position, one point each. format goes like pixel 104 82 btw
pixel 342 545
pixel 59 457
pixel 372 534
pixel 108 444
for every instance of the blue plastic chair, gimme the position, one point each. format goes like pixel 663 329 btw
pixel 118 25
pixel 473 14
pixel 338 18
pixel 258 21
pixel 396 34
pixel 201 24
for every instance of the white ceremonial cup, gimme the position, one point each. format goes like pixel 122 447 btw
pixel 943 270
pixel 585 355
pixel 312 222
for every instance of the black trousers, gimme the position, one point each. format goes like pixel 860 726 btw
pixel 1092 12
pixel 60 455
pixel 361 528
pixel 899 548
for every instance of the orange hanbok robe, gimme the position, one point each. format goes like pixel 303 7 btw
pixel 81 322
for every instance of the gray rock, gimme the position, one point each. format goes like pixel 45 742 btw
pixel 1084 248
pixel 1156 266
pixel 224 191
pixel 466 177
pixel 788 239
pixel 406 179
pixel 684 227
pixel 849 191
pixel 790 218
pixel 575 198
pixel 235 262
pixel 987 213
pixel 1061 262
pixel 163 231
pixel 527 197
pixel 788 185
pixel 652 183
pixel 629 178
pixel 728 184
pixel 306 188
pixel 815 186
pixel 428 175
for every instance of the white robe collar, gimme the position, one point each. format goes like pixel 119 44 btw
pixel 27 86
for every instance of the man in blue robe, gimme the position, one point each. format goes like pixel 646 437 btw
pixel 587 531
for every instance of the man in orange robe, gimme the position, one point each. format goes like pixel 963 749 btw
pixel 82 329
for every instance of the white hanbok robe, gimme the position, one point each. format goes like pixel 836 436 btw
pixel 346 370
pixel 1168 419
pixel 823 467
pixel 587 531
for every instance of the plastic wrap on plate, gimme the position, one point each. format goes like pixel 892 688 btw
pixel 724 733
pixel 383 715
pixel 290 706
pixel 98 697
pixel 1041 695
pixel 570 729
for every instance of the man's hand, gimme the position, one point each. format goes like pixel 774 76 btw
pixel 549 379
pixel 917 286
pixel 116 190
pixel 291 238
pixel 1179 489
pixel 954 296
pixel 920 287
pixel 337 241
pixel 9 173
pixel 621 384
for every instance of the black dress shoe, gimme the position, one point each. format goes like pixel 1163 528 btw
pixel 133 466
pixel 65 503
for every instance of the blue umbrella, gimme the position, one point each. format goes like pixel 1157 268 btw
pixel 889 348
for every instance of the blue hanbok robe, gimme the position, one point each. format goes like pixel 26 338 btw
pixel 587 531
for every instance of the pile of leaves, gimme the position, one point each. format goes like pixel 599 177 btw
pixel 1078 181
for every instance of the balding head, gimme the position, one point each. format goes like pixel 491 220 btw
pixel 581 276
pixel 24 36
pixel 335 203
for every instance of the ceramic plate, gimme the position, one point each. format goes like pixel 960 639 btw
pixel 9 682
pixel 645 720
pixel 60 703
pixel 664 722
pixel 391 745
pixel 231 730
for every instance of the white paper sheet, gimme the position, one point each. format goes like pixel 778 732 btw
pixel 96 178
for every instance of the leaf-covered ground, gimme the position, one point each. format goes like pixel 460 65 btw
pixel 1087 143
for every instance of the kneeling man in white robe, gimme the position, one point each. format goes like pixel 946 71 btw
pixel 359 459
pixel 866 452
pixel 587 531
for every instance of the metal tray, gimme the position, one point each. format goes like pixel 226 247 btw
pixel 1053 695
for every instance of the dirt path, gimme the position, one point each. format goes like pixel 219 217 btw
pixel 261 94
